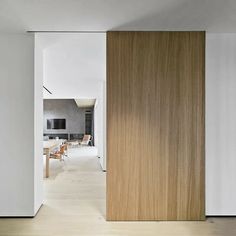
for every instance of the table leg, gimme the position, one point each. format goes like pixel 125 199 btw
pixel 47 164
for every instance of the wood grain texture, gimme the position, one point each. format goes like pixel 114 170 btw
pixel 155 125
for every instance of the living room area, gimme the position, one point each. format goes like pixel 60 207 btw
pixel 73 170
pixel 68 119
pixel 67 124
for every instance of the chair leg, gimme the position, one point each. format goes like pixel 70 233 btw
pixel 62 158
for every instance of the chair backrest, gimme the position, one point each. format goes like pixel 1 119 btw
pixel 62 149
pixel 86 139
pixel 66 146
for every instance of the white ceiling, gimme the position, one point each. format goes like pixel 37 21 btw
pixel 103 15
pixel 84 103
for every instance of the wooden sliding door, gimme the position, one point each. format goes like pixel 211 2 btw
pixel 155 125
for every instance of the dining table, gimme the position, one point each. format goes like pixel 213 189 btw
pixel 48 147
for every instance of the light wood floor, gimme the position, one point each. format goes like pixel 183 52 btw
pixel 75 205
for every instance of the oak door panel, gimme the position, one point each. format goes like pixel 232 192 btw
pixel 155 125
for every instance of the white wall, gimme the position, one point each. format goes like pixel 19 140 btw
pixel 74 64
pixel 221 124
pixel 38 126
pixel 17 120
pixel 100 125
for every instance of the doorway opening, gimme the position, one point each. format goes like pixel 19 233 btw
pixel 71 68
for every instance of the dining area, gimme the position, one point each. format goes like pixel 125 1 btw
pixel 56 149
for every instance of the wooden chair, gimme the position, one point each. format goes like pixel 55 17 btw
pixel 86 139
pixel 59 154
pixel 66 150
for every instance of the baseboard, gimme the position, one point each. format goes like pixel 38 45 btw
pixel 38 210
pixel 218 216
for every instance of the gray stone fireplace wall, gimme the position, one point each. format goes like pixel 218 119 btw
pixel 64 109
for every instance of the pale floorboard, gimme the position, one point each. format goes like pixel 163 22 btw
pixel 75 205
